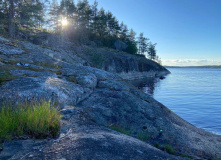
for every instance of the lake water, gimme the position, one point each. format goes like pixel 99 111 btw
pixel 192 93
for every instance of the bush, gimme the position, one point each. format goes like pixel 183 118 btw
pixel 38 120
pixel 97 59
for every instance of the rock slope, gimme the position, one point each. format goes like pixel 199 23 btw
pixel 93 102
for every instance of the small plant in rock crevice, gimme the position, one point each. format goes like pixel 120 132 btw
pixel 187 156
pixel 120 129
pixel 169 149
pixel 143 135
pixel 166 147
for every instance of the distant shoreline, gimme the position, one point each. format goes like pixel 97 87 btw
pixel 210 66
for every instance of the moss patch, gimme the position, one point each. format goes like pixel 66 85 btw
pixel 12 66
pixel 48 65
pixel 6 76
pixel 72 79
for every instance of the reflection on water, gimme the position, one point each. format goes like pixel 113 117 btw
pixel 192 93
pixel 147 85
pixel 150 86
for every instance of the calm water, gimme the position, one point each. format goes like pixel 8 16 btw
pixel 192 93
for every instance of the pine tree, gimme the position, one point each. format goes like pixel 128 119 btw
pixel 113 27
pixel 152 51
pixel 3 16
pixel 29 12
pixel 17 13
pixel 84 19
pixel 53 16
pixel 67 11
pixel 142 44
pixel 123 32
pixel 132 35
pixel 85 23
pixel 11 24
pixel 102 23
pixel 84 13
pixel 94 17
pixel 132 44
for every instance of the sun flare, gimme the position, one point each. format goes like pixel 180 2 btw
pixel 64 22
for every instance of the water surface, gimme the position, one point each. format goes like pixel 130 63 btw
pixel 192 93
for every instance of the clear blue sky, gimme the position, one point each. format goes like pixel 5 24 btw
pixel 187 32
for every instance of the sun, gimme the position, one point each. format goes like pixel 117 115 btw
pixel 64 22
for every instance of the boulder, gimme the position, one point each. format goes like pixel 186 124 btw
pixel 88 80
pixel 36 88
pixel 119 45
pixel 10 50
pixel 2 39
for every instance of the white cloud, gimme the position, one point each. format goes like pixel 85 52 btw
pixel 190 62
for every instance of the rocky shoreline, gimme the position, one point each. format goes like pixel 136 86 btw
pixel 95 99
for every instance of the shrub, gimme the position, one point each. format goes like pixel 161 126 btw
pixel 38 120
pixel 156 145
pixel 97 59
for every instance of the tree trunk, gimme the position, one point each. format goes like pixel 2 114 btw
pixel 11 27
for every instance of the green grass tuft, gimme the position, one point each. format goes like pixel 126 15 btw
pixel 168 148
pixel 38 120
pixel 120 129
pixel 143 136
pixel 187 156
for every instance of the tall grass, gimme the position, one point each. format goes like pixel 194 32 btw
pixel 38 120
